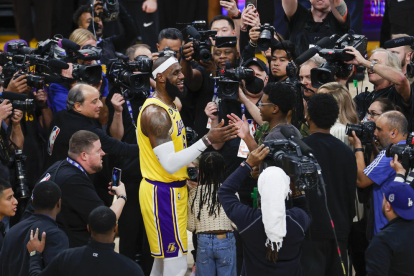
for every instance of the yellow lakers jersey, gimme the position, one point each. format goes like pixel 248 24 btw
pixel 150 166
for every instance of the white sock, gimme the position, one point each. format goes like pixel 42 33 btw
pixel 170 266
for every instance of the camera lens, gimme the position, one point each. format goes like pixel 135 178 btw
pixel 265 38
pixel 205 55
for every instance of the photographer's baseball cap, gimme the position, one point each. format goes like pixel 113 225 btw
pixel 401 197
pixel 256 61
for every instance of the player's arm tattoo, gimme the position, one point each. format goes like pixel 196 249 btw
pixel 342 9
pixel 159 125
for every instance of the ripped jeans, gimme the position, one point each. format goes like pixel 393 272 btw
pixel 216 256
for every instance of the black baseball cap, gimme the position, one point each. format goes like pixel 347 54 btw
pixel 258 62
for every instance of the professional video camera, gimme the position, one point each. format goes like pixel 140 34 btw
pixel 405 152
pixel 364 131
pixel 228 81
pixel 265 38
pixel 201 40
pixel 335 58
pixel 121 73
pixel 287 155
pixel 191 136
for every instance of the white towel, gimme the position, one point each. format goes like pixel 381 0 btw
pixel 274 187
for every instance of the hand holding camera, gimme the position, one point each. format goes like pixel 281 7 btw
pixel 117 101
pixel 17 117
pixel 256 157
pixel 6 109
pixel 254 34
pixel 18 85
pixel 359 59
pixel 231 7
pixel 354 140
pixel 188 51
pixel 250 17
pixel 117 190
pixel 397 166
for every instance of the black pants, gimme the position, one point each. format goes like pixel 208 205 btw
pixel 39 28
pixel 146 23
pixel 133 242
pixel 321 258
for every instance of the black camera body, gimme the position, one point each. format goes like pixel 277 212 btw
pixel 364 131
pixel 229 79
pixel 201 40
pixel 335 58
pixel 110 10
pixel 91 74
pixel 88 52
pixel 287 155
pixel 19 160
pixel 35 81
pixel 19 48
pixel 267 32
pixel 405 152
pixel 121 73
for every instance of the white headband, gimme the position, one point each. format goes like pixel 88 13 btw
pixel 164 66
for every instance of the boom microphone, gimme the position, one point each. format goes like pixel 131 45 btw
pixel 58 64
pixel 68 44
pixel 401 41
pixel 288 133
pixel 325 42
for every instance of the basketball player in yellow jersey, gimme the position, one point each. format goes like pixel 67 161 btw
pixel 163 157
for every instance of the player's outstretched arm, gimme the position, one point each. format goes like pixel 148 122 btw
pixel 156 125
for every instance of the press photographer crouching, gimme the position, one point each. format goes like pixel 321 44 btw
pixel 391 127
pixel 271 235
pixel 79 196
pixel 97 257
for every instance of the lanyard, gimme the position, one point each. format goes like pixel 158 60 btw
pixel 131 114
pixel 243 110
pixel 215 95
pixel 76 164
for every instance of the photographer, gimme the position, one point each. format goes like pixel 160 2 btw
pixel 386 76
pixel 325 18
pixel 391 127
pixel 110 45
pixel 320 247
pixel 79 197
pixel 305 75
pixel 271 235
pixel 403 52
pixel 47 203
pixel 282 54
pixel 97 257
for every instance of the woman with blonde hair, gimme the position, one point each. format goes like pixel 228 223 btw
pixel 347 109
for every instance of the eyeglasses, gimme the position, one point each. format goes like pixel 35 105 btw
pixel 373 114
pixel 262 104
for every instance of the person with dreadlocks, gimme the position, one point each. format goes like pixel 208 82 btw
pixel 216 244
pixel 271 235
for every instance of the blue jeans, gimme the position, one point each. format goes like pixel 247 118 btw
pixel 216 256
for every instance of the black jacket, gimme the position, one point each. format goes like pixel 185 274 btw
pixel 391 250
pixel 67 122
pixel 339 171
pixel 79 198
pixel 251 229
pixel 95 258
pixel 14 258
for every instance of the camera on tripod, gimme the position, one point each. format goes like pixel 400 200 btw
pixel 334 65
pixel 364 131
pixel 265 38
pixel 121 73
pixel 405 152
pixel 201 40
pixel 229 79
pixel 287 155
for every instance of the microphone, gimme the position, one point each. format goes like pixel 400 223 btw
pixel 58 64
pixel 12 96
pixel 401 41
pixel 191 31
pixel 68 44
pixel 325 42
pixel 289 134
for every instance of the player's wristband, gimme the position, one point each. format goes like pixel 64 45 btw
pixel 206 139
